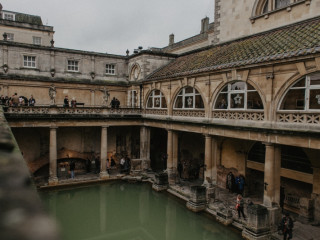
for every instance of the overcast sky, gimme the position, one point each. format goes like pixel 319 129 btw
pixel 113 26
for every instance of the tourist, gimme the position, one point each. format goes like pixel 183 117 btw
pixel 239 206
pixel 286 226
pixel 15 100
pixel 113 163
pixel 72 168
pixel 66 101
pixel 230 182
pixel 240 184
pixel 117 103
pixel 113 102
pixel 73 102
pixel 32 101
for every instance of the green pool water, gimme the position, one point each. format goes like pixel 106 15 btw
pixel 125 211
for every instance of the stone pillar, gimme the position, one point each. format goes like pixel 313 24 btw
pixel 92 98
pixel 53 180
pixel 145 147
pixel 215 160
pixel 103 156
pixel 277 176
pixel 208 160
pixel 169 151
pixel 173 173
pixel 198 199
pixel 269 175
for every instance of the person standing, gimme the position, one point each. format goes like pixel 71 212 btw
pixel 230 183
pixel 32 101
pixel 66 102
pixel 239 206
pixel 287 226
pixel 72 168
pixel 15 100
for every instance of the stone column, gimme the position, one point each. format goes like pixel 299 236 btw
pixel 53 180
pixel 103 156
pixel 269 175
pixel 170 157
pixel 208 160
pixel 277 176
pixel 145 147
pixel 92 98
pixel 215 160
pixel 175 141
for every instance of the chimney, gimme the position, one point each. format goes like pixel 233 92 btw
pixel 204 25
pixel 171 39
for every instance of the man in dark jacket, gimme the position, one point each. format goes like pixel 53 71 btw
pixel 72 168
pixel 287 226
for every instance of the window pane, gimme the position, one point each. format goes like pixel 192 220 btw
pixel 222 101
pixel 265 8
pixel 199 102
pixel 157 102
pixel 314 102
pixel 178 103
pixel 188 102
pixel 237 100
pixel 163 104
pixel 156 93
pixel 315 79
pixel 149 104
pixel 249 87
pixel 189 90
pixel 238 86
pixel 301 83
pixel 294 100
pixel 225 89
pixel 254 101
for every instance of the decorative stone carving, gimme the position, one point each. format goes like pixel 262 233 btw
pixel 251 116
pixel 106 96
pixel 52 94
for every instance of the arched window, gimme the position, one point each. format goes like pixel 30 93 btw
pixel 156 100
pixel 303 95
pixel 265 6
pixel 238 96
pixel 189 98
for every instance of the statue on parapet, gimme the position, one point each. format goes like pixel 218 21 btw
pixel 106 96
pixel 52 94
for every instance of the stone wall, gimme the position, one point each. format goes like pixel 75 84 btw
pixel 22 215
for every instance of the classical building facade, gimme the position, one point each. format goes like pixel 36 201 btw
pixel 245 101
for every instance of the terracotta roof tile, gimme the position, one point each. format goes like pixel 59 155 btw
pixel 290 41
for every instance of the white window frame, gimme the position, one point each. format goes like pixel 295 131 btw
pixel 9 16
pixel 187 95
pixel 231 91
pixel 132 98
pixel 110 69
pixel 36 40
pixel 73 65
pixel 29 61
pixel 154 97
pixel 10 37
pixel 307 87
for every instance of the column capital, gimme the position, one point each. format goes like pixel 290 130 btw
pixel 53 127
pixel 207 135
pixel 268 144
pixel 104 126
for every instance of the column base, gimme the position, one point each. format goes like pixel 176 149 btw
pixel 196 207
pixel 104 175
pixel 53 181
pixel 159 188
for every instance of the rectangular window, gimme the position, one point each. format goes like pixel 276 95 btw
pixel 10 36
pixel 73 66
pixel 281 3
pixel 29 61
pixel 36 40
pixel 8 16
pixel 110 69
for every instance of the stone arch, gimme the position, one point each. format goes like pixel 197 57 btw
pixel 286 87
pixel 177 91
pixel 221 86
pixel 258 7
pixel 135 72
pixel 148 95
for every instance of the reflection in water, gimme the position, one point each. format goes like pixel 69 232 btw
pixel 125 211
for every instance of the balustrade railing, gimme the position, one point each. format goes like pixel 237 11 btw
pixel 188 113
pixel 239 115
pixel 156 111
pixel 294 117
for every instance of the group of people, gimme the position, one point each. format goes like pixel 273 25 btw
pixel 115 103
pixel 125 164
pixel 16 101
pixel 235 184
pixel 73 102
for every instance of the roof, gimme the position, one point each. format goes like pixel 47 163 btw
pixel 293 40
pixel 26 18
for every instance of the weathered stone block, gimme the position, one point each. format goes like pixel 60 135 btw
pixel 198 200
pixel 161 182
pixel 306 208
pixel 258 226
